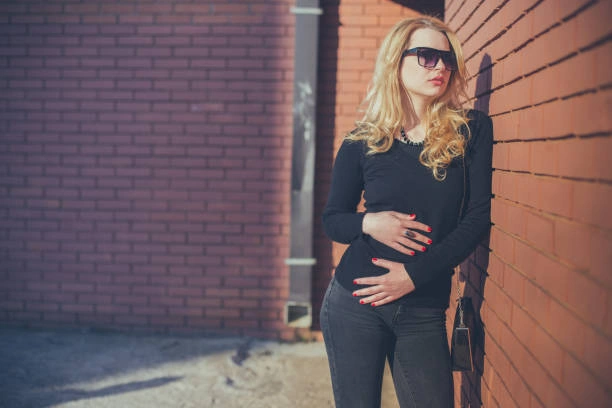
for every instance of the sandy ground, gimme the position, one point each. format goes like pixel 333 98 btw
pixel 84 369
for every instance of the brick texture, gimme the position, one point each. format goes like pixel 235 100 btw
pixel 543 283
pixel 144 164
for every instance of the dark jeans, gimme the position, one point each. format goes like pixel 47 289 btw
pixel 359 338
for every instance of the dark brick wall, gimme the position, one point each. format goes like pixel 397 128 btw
pixel 144 164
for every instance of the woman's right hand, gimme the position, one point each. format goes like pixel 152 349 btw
pixel 397 230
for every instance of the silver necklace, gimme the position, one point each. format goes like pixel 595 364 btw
pixel 404 139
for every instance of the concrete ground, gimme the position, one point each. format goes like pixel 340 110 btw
pixel 86 369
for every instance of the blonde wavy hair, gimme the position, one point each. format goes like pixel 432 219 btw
pixel 387 100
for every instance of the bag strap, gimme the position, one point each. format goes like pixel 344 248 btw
pixel 458 267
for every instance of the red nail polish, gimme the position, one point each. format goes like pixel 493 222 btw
pixel 374 259
pixel 429 241
pixel 354 295
pixel 373 304
pixel 412 215
pixel 428 229
pixel 411 252
pixel 423 249
pixel 361 301
pixel 355 282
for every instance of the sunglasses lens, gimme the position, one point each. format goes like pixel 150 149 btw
pixel 449 62
pixel 428 58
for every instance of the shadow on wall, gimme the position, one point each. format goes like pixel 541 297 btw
pixel 474 270
pixel 429 7
pixel 326 125
pixel 483 84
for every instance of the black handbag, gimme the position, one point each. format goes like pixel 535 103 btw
pixel 461 345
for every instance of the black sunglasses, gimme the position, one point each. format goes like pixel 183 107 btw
pixel 429 57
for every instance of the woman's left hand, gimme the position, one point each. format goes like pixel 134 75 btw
pixel 385 288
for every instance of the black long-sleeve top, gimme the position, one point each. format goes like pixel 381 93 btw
pixel 397 181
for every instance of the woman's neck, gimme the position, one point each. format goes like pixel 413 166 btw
pixel 417 114
pixel 414 135
pixel 413 122
pixel 420 108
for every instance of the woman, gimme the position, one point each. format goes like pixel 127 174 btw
pixel 391 288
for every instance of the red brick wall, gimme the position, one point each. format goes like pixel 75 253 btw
pixel 542 69
pixel 144 164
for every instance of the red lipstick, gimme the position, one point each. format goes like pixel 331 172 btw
pixel 439 80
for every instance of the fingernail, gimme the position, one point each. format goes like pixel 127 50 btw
pixel 423 249
pixel 373 304
pixel 411 252
pixel 428 229
pixel 429 241
pixel 355 282
pixel 374 259
pixel 354 294
pixel 362 301
pixel 412 215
